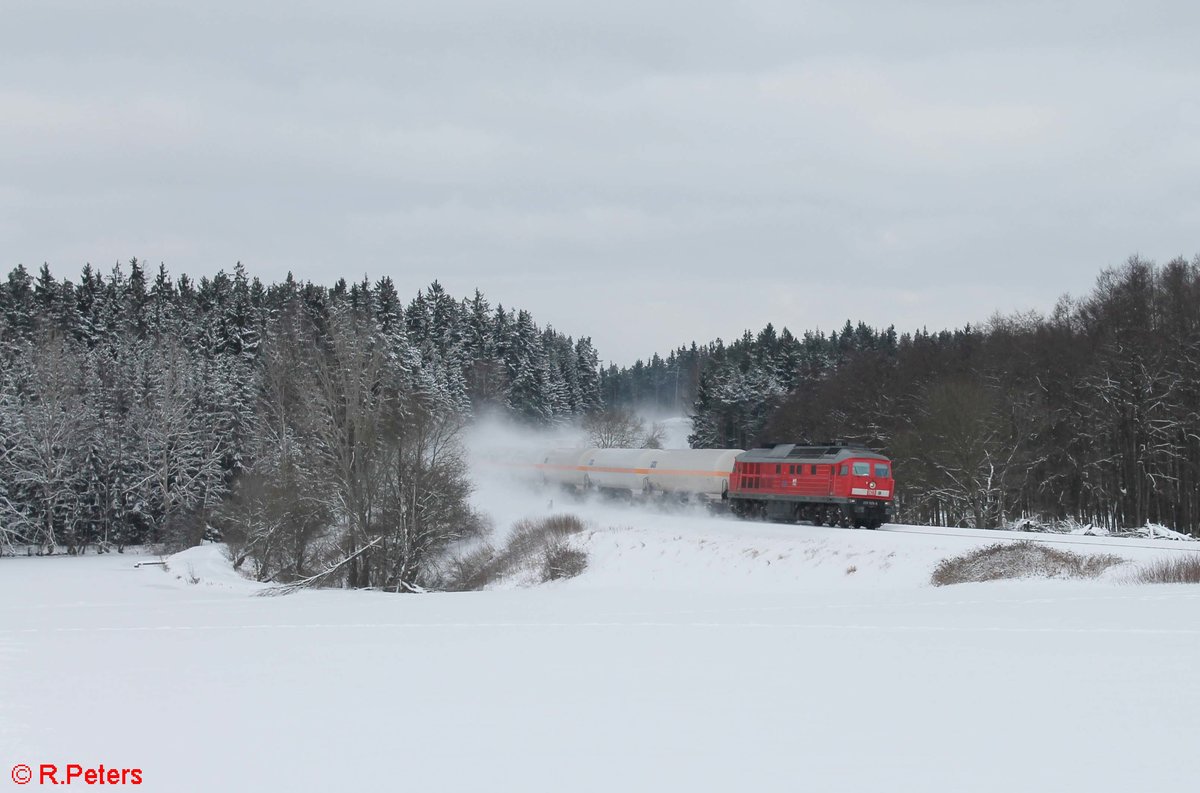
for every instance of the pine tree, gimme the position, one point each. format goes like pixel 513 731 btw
pixel 19 306
pixel 587 376
pixel 526 362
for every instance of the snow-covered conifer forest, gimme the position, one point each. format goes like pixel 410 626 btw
pixel 140 407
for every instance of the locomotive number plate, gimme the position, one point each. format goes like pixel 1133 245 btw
pixel 864 491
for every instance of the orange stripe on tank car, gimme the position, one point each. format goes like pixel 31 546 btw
pixel 681 472
pixel 610 470
pixel 659 471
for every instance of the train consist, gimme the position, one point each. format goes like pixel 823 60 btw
pixel 834 484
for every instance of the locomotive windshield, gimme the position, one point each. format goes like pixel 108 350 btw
pixel 881 471
pixel 862 469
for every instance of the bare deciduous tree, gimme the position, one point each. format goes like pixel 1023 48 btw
pixel 621 429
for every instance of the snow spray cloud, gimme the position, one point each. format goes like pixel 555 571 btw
pixel 500 454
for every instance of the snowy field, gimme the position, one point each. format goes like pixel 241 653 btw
pixel 696 653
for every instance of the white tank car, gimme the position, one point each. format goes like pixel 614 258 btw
pixel 703 473
pixel 617 469
pixel 561 466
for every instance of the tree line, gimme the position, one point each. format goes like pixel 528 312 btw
pixel 315 427
pixel 1090 414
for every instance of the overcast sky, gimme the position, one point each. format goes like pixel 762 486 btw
pixel 644 173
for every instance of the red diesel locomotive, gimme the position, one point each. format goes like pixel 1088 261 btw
pixel 837 485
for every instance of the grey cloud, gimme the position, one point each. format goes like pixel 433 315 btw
pixel 643 173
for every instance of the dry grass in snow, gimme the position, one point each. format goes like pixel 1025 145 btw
pixel 1019 560
pixel 537 551
pixel 1176 570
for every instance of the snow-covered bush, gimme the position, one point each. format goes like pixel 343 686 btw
pixel 560 560
pixel 1019 560
pixel 471 571
pixel 536 551
pixel 1183 569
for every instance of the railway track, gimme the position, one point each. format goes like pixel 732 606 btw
pixel 991 535
pixel 988 535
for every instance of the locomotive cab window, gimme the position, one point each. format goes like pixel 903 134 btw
pixel 862 469
pixel 845 470
pixel 779 469
pixel 881 471
pixel 813 470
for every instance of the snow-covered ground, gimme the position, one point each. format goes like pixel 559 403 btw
pixel 696 653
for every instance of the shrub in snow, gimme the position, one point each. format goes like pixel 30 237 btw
pixel 473 570
pixel 1023 559
pixel 535 548
pixel 1183 569
pixel 560 560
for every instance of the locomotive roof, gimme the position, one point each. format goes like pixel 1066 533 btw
pixel 830 453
